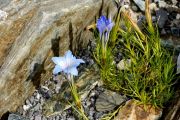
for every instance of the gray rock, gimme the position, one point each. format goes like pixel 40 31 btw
pixel 175 31
pixel 108 100
pixel 162 3
pixel 57 117
pixel 163 32
pixel 154 18
pixel 35 31
pixel 38 117
pixel 140 4
pixel 99 115
pixel 20 110
pixel 124 64
pixel 153 6
pixel 32 118
pixel 91 113
pixel 141 21
pixel 58 107
pixel 37 107
pixel 30 114
pixel 177 48
pixel 4 3
pixel 27 102
pixel 36 113
pixel 16 117
pixel 27 107
pixel 71 118
pixel 167 43
pixel 91 62
pixel 178 16
pixel 156 1
pixel 58 87
pixel 44 118
pixel 134 8
pixel 174 2
pixel 38 96
pixel 31 99
pixel 162 17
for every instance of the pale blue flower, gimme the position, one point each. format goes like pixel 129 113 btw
pixel 104 25
pixel 67 64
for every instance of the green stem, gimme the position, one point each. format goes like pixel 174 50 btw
pixel 76 97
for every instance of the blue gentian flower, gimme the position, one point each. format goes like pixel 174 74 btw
pixel 104 25
pixel 67 64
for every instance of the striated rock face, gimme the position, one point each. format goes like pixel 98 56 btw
pixel 33 32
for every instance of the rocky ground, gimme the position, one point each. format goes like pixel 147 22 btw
pixel 44 105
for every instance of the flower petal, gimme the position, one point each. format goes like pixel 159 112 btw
pixel 101 24
pixel 57 60
pixel 73 71
pixel 109 27
pixel 57 69
pixel 80 61
pixel 77 62
pixel 68 54
pixel 104 25
pixel 67 64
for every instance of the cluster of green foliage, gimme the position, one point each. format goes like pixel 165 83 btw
pixel 149 77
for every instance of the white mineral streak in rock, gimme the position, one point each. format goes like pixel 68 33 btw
pixel 47 18
pixel 3 15
pixel 9 67
pixel 178 64
pixel 65 10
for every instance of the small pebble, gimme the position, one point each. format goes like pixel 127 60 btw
pixel 162 4
pixel 178 16
pixel 26 107
pixel 175 31
pixel 32 100
pixel 27 102
pixel 57 118
pixel 174 2
pixel 38 117
pixel 163 32
pixel 162 17
pixel 44 118
pixel 134 8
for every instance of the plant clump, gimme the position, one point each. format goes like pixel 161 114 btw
pixel 148 70
pixel 149 75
